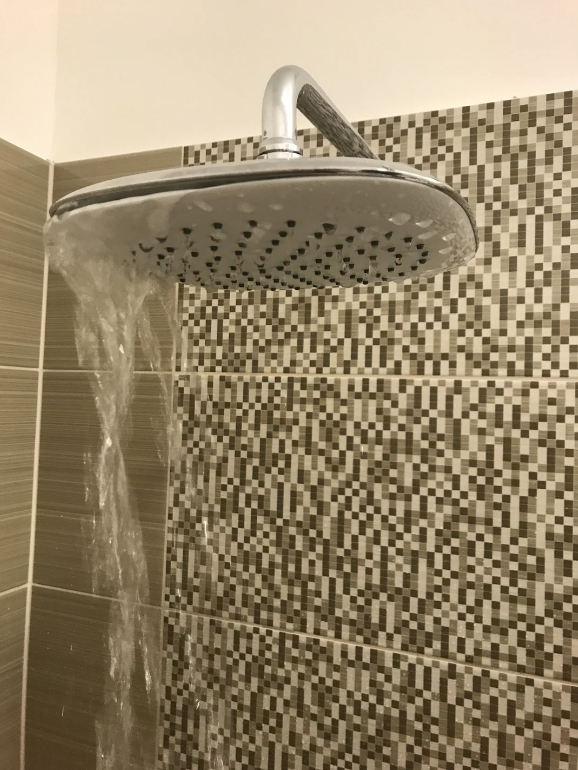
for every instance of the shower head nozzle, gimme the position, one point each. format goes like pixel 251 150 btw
pixel 280 222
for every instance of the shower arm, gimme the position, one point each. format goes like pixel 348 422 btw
pixel 290 89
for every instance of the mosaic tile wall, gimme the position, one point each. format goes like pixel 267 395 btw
pixel 372 547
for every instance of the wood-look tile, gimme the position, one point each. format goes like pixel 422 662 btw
pixel 70 430
pixel 18 394
pixel 59 341
pixel 21 279
pixel 14 550
pixel 12 620
pixel 23 185
pixel 66 676
pixel 23 200
pixel 60 348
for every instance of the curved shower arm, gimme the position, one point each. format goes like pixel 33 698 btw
pixel 290 89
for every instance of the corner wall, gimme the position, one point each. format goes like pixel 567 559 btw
pixel 24 183
pixel 68 621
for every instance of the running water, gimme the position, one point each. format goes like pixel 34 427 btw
pixel 112 315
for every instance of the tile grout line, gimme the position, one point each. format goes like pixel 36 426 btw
pixel 14 590
pixel 90 595
pixel 5 367
pixel 364 645
pixel 177 336
pixel 396 377
pixel 329 376
pixel 34 487
pixel 94 371
pixel 171 439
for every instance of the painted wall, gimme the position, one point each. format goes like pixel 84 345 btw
pixel 28 32
pixel 142 75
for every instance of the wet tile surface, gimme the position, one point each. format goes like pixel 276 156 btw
pixel 269 699
pixel 430 517
pixel 60 345
pixel 70 435
pixel 67 671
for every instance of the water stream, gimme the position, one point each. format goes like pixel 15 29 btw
pixel 112 316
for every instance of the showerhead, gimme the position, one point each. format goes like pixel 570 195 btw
pixel 282 221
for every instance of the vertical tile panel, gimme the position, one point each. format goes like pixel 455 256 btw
pixel 66 677
pixel 23 197
pixel 18 394
pixel 12 619
pixel 70 431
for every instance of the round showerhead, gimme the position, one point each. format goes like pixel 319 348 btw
pixel 314 222
pixel 280 222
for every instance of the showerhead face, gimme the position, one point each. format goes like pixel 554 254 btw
pixel 276 224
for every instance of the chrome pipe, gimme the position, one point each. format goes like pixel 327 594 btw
pixel 289 89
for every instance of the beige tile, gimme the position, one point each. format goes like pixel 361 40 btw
pixel 66 676
pixel 18 393
pixel 12 618
pixel 60 349
pixel 70 429
pixel 23 200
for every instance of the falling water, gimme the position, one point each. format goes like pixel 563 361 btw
pixel 112 315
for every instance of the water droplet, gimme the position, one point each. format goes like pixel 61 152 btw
pixel 400 219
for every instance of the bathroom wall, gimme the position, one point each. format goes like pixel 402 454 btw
pixel 24 181
pixel 138 76
pixel 371 545
pixel 69 623
pixel 28 35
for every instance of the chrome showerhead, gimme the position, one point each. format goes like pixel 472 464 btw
pixel 282 221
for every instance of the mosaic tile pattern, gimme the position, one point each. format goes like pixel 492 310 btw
pixel 512 312
pixel 326 530
pixel 430 517
pixel 256 698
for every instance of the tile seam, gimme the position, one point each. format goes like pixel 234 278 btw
pixel 91 595
pixel 35 476
pixel 388 650
pixel 14 590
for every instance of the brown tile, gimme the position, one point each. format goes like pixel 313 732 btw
pixel 18 393
pixel 70 430
pixel 60 349
pixel 66 677
pixel 14 550
pixel 23 200
pixel 12 618
pixel 59 343
pixel 23 185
